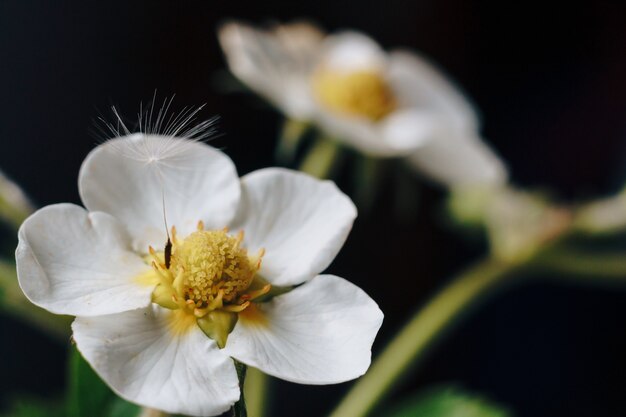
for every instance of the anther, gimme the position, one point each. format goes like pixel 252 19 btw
pixel 234 308
pixel 252 295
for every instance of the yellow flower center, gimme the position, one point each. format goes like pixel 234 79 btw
pixel 209 276
pixel 357 93
pixel 213 267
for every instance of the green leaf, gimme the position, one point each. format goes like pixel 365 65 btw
pixel 89 396
pixel 29 407
pixel 448 402
pixel 122 408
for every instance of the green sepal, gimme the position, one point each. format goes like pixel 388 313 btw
pixel 217 325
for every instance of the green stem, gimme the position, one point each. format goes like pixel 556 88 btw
pixel 13 302
pixel 321 158
pixel 239 408
pixel 425 328
pixel 256 389
pixel 585 267
pixel 367 181
pixel 291 135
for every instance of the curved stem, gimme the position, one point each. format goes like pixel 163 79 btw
pixel 585 267
pixel 426 327
pixel 256 388
pixel 239 408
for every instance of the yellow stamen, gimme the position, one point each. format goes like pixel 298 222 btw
pixel 234 308
pixel 217 301
pixel 356 93
pixel 209 278
pixel 252 295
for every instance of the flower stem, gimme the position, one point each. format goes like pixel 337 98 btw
pixel 321 159
pixel 256 389
pixel 426 327
pixel 239 408
pixel 291 136
pixel 13 301
pixel 592 268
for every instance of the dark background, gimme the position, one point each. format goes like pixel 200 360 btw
pixel 550 82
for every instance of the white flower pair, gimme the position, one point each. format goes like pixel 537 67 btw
pixel 383 104
pixel 160 322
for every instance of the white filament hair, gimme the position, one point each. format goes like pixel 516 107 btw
pixel 172 126
pixel 179 130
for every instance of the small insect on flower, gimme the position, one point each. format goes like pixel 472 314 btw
pixel 237 278
pixel 168 253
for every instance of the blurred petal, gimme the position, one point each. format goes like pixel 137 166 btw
pixel 455 160
pixel 352 51
pixel 132 178
pixel 319 333
pixel 399 134
pixel 73 262
pixel 274 63
pixel 420 85
pixel 146 359
pixel 301 222
pixel 408 129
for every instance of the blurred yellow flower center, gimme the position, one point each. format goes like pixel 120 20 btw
pixel 207 275
pixel 357 93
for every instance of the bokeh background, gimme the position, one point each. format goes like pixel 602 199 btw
pixel 550 82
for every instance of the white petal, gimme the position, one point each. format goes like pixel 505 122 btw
pixel 274 63
pixel 456 160
pixel 301 222
pixel 130 177
pixel 78 263
pixel 419 84
pixel 319 333
pixel 142 359
pixel 352 51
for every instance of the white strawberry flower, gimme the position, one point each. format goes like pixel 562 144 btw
pixel 161 324
pixel 384 104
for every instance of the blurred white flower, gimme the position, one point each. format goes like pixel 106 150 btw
pixel 14 205
pixel 159 322
pixel 385 104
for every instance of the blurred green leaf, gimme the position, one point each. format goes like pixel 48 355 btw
pixel 89 396
pixel 122 408
pixel 448 402
pixel 28 407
